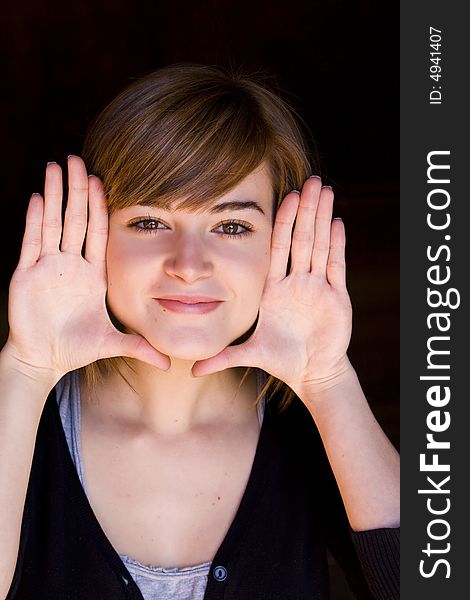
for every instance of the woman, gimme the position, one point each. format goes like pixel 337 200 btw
pixel 190 277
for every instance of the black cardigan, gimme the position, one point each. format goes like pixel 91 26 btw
pixel 275 549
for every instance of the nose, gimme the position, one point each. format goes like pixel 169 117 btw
pixel 188 259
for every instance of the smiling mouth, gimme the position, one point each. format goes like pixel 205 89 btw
pixel 189 305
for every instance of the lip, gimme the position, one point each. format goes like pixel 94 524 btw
pixel 189 299
pixel 195 305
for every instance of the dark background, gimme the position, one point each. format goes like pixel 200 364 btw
pixel 336 62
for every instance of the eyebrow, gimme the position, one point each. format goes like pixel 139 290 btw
pixel 236 205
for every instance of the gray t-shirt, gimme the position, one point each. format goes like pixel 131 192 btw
pixel 155 583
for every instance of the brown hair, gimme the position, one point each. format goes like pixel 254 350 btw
pixel 194 132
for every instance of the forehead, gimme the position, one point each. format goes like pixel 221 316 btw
pixel 255 191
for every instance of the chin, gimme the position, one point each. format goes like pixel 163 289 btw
pixel 190 349
pixel 193 344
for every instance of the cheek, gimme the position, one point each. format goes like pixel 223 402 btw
pixel 262 260
pixel 260 271
pixel 124 257
pixel 252 276
pixel 124 268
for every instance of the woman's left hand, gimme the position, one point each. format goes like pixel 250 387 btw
pixel 304 322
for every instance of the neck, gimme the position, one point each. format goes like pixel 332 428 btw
pixel 175 402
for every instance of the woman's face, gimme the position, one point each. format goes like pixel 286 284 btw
pixel 191 282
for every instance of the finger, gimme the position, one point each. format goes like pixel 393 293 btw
pixel 281 236
pixel 232 356
pixel 32 238
pixel 135 346
pixel 97 231
pixel 304 230
pixel 336 266
pixel 76 212
pixel 321 246
pixel 52 221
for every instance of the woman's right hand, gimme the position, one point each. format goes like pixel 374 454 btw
pixel 57 299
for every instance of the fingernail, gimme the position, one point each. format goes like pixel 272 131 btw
pixel 51 162
pixel 70 156
pixel 314 177
pixel 296 191
pixel 90 175
pixel 35 194
pixel 326 186
pixel 337 219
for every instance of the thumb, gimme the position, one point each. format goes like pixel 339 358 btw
pixel 232 356
pixel 135 346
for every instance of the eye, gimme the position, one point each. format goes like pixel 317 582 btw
pixel 233 228
pixel 147 225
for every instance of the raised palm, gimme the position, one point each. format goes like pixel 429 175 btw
pixel 57 298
